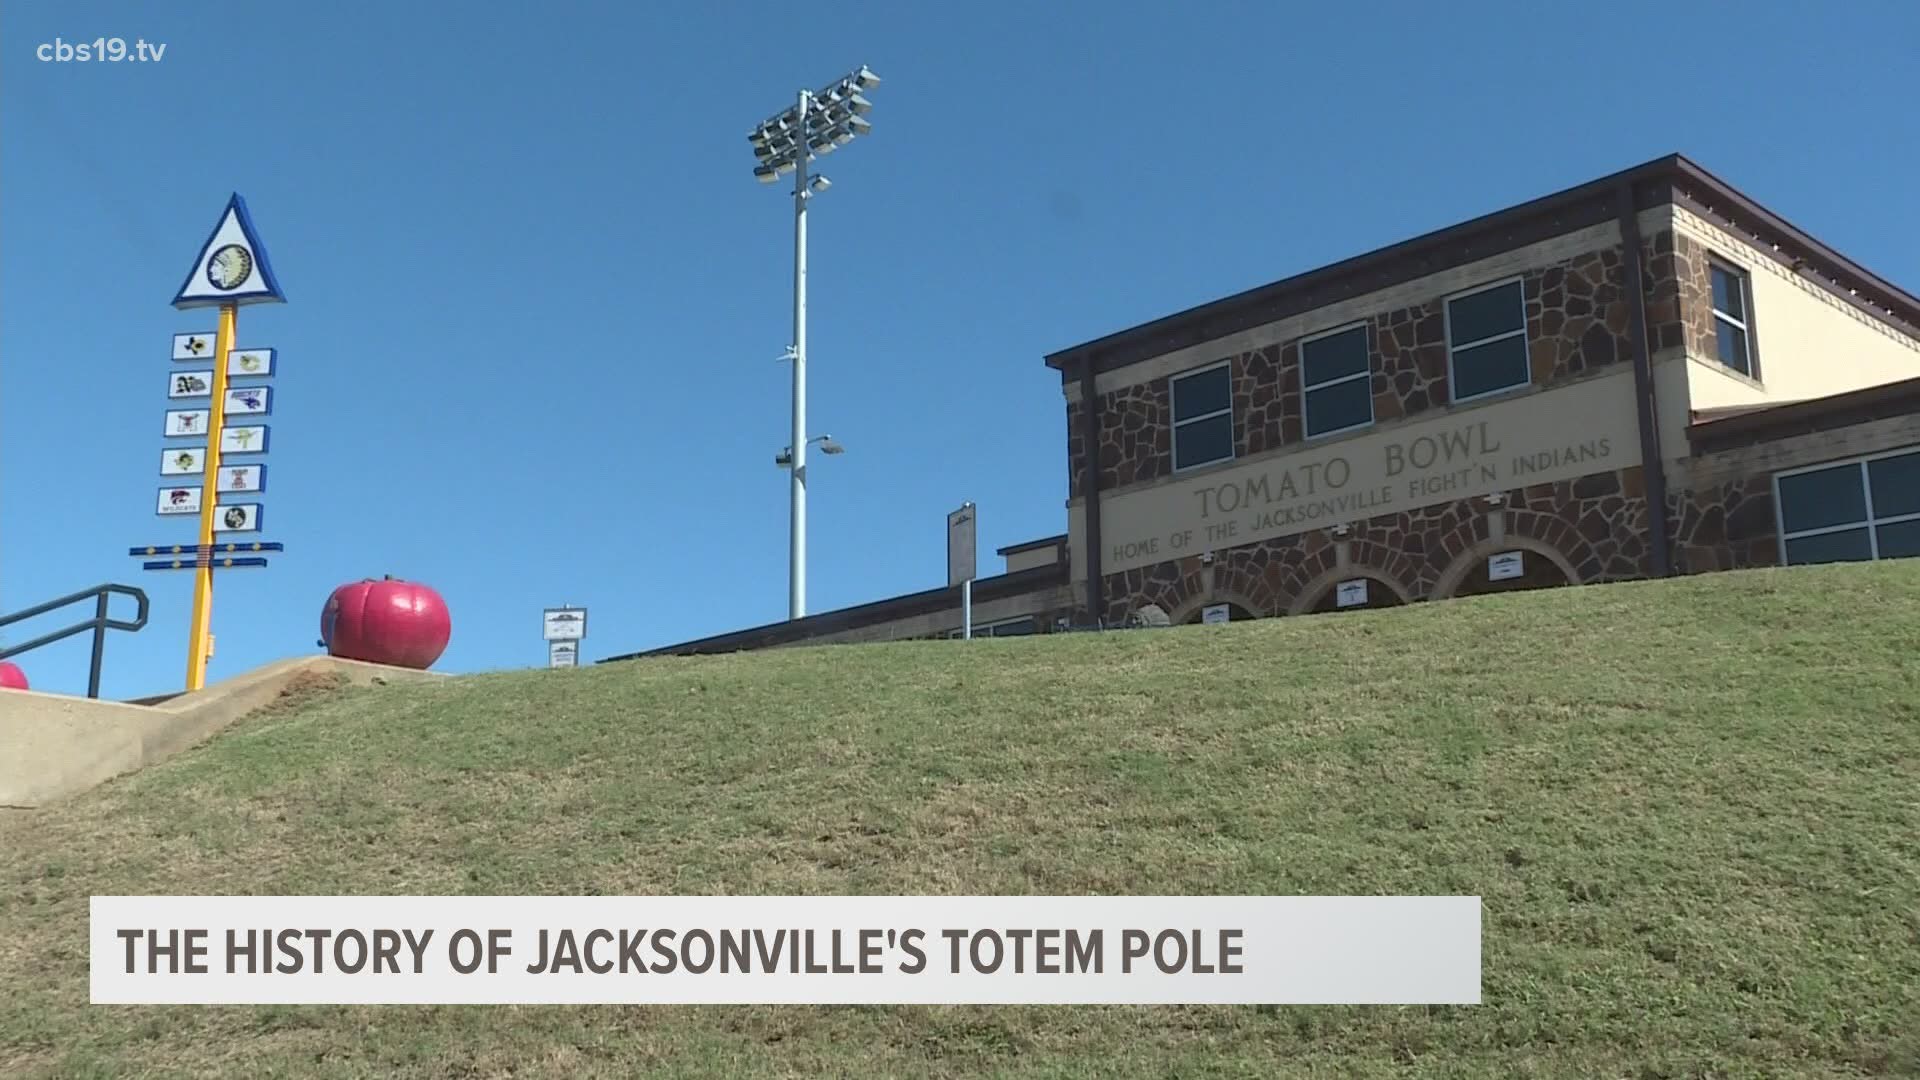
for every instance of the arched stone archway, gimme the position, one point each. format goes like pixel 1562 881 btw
pixel 1542 566
pixel 1239 607
pixel 1322 594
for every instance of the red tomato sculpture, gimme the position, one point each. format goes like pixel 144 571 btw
pixel 402 623
pixel 11 677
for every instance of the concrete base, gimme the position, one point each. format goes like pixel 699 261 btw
pixel 53 746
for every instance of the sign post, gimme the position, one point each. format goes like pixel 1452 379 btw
pixel 564 628
pixel 961 564
pixel 231 270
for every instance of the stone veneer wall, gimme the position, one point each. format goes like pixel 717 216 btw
pixel 1577 319
pixel 1727 525
pixel 1598 523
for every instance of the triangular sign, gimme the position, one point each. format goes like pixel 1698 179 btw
pixel 232 267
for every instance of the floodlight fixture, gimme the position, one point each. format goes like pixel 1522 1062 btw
pixel 787 143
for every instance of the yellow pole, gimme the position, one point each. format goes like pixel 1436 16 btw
pixel 201 643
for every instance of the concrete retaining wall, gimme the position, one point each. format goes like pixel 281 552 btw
pixel 53 746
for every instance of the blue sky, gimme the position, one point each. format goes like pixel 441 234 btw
pixel 536 296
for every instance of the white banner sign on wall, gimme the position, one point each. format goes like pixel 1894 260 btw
pixel 1351 593
pixel 178 500
pixel 245 439
pixel 233 478
pixel 183 461
pixel 240 517
pixel 183 422
pixel 1507 564
pixel 927 950
pixel 250 401
pixel 249 363
pixel 193 346
pixel 1214 613
pixel 190 384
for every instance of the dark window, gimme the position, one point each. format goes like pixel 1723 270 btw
pixel 1852 545
pixel 1822 499
pixel 1487 341
pixel 1895 483
pixel 1868 508
pixel 1730 321
pixel 1202 417
pixel 1336 380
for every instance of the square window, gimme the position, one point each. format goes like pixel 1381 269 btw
pixel 1899 541
pixel 1202 417
pixel 1487 341
pixel 1336 381
pixel 1201 393
pixel 1895 483
pixel 1339 406
pixel 1484 369
pixel 1822 499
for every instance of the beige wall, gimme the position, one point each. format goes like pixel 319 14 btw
pixel 1810 343
pixel 1539 437
pixel 1027 560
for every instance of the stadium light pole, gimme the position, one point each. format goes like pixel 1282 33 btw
pixel 818 123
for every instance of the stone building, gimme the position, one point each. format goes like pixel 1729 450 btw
pixel 1648 374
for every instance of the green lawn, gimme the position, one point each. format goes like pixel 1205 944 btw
pixel 1692 808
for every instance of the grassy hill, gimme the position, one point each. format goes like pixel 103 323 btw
pixel 1692 808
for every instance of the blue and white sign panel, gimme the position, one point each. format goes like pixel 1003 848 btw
pixel 236 478
pixel 245 439
pixel 185 423
pixel 183 461
pixel 240 517
pixel 193 346
pixel 178 500
pixel 232 266
pixel 250 401
pixel 249 363
pixel 190 384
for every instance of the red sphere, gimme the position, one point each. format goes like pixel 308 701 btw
pixel 11 677
pixel 401 623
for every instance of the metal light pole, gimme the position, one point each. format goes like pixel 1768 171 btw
pixel 788 143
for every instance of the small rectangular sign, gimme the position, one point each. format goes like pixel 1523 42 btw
pixel 962 564
pixel 193 346
pixel 249 363
pixel 1507 564
pixel 1214 613
pixel 563 654
pixel 183 461
pixel 564 624
pixel 190 384
pixel 250 401
pixel 1351 593
pixel 784 950
pixel 247 478
pixel 178 500
pixel 182 423
pixel 245 439
pixel 240 517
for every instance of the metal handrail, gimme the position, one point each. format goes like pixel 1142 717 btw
pixel 99 624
